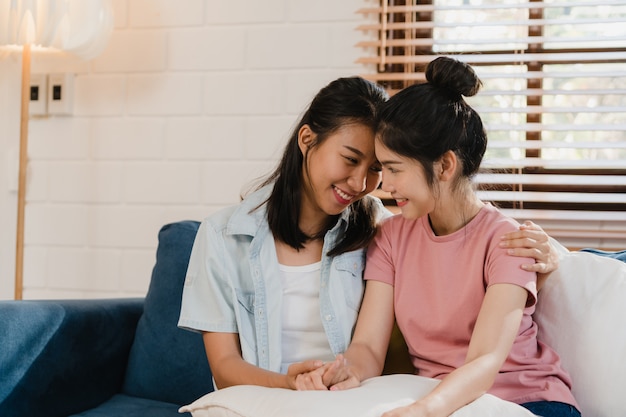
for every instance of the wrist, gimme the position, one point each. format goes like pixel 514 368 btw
pixel 429 406
pixel 289 382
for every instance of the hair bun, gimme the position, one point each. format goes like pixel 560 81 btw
pixel 454 76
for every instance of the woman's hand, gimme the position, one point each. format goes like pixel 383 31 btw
pixel 339 375
pixel 334 376
pixel 533 242
pixel 306 375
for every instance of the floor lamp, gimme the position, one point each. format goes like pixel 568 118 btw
pixel 80 27
pixel 21 179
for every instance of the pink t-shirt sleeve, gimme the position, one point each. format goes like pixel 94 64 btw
pixel 502 268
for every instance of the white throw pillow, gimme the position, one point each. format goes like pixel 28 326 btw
pixel 581 313
pixel 371 399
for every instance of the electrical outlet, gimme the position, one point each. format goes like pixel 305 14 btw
pixel 60 94
pixel 38 95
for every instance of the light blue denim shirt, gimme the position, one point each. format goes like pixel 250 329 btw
pixel 233 283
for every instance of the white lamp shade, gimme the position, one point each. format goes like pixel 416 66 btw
pixel 81 27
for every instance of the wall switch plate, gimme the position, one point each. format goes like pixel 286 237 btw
pixel 38 95
pixel 60 94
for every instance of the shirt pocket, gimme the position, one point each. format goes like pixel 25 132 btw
pixel 349 268
pixel 245 319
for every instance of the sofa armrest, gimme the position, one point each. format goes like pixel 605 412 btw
pixel 62 357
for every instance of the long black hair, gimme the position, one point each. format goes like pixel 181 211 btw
pixel 343 101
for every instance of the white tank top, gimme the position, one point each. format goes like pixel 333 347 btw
pixel 303 335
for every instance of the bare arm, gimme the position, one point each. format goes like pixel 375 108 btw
pixel 533 242
pixel 495 330
pixel 224 354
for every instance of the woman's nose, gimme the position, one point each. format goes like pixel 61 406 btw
pixel 386 186
pixel 358 180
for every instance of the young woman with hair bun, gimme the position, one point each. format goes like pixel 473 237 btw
pixel 462 304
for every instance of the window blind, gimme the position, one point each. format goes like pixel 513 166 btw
pixel 553 99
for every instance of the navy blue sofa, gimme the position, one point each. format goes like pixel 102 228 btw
pixel 117 357
pixel 106 358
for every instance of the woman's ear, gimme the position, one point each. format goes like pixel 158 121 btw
pixel 447 167
pixel 305 138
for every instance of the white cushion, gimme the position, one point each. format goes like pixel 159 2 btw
pixel 581 313
pixel 371 399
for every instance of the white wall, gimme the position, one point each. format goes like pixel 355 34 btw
pixel 9 134
pixel 191 100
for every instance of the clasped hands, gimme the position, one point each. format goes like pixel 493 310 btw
pixel 339 375
pixel 318 375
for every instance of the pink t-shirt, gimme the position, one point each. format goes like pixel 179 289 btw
pixel 439 285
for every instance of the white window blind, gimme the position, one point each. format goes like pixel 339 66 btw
pixel 553 99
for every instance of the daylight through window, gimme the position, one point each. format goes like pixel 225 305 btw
pixel 553 97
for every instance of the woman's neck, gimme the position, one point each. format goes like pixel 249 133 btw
pixel 313 222
pixel 309 254
pixel 454 213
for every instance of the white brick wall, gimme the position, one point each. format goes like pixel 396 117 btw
pixel 190 102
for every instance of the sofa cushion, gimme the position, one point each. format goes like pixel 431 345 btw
pixel 47 351
pixel 619 255
pixel 126 406
pixel 167 363
pixel 581 314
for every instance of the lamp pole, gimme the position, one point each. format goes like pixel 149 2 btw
pixel 21 185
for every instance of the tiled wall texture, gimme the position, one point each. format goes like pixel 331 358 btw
pixel 190 102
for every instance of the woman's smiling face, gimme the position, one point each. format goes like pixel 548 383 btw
pixel 405 180
pixel 340 170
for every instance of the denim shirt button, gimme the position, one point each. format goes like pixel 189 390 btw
pixel 328 317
